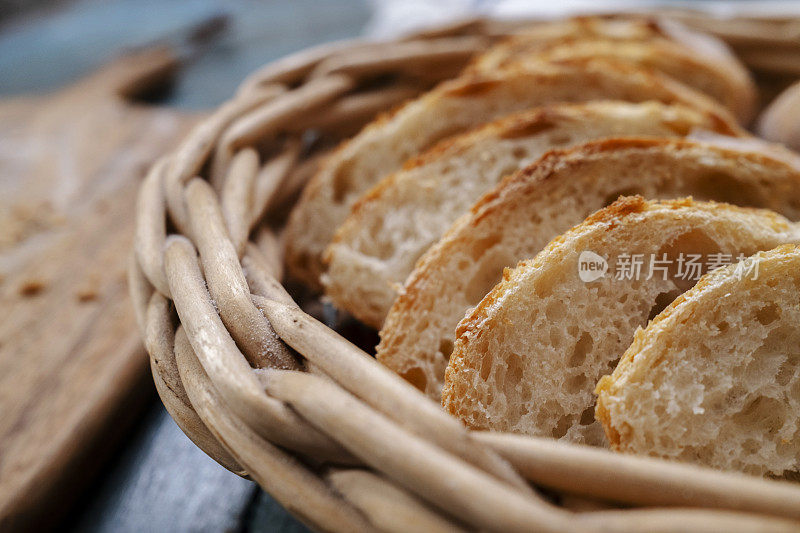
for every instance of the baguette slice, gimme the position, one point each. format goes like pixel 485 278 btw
pixel 528 357
pixel 452 107
pixel 780 121
pixel 715 378
pixel 390 227
pixel 522 214
pixel 616 28
pixel 728 82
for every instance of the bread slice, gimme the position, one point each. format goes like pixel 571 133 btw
pixel 618 28
pixel 390 227
pixel 727 81
pixel 519 217
pixel 528 357
pixel 452 107
pixel 780 121
pixel 715 378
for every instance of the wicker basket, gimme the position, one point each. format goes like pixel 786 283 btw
pixel 336 438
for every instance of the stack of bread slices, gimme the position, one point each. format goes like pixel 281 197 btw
pixel 578 238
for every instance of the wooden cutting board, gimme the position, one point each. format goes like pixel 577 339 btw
pixel 71 364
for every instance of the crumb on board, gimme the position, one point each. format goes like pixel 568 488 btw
pixel 31 287
pixel 86 295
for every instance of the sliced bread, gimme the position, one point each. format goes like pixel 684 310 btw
pixel 528 357
pixel 715 378
pixel 452 107
pixel 728 82
pixel 780 121
pixel 390 227
pixel 522 214
pixel 616 28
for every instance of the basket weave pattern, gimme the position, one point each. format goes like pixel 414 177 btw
pixel 336 438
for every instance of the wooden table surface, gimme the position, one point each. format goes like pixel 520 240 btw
pixel 156 479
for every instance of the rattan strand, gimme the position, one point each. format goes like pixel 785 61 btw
pixel 186 418
pixel 387 506
pixel 226 283
pixel 236 197
pixel 640 480
pixel 287 480
pixel 271 178
pixel 194 151
pixel 413 467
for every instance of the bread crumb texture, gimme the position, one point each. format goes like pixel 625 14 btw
pixel 715 378
pixel 518 218
pixel 527 358
pixel 393 224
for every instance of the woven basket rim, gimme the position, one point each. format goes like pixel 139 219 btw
pixel 342 442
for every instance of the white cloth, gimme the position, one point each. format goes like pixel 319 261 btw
pixel 397 17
